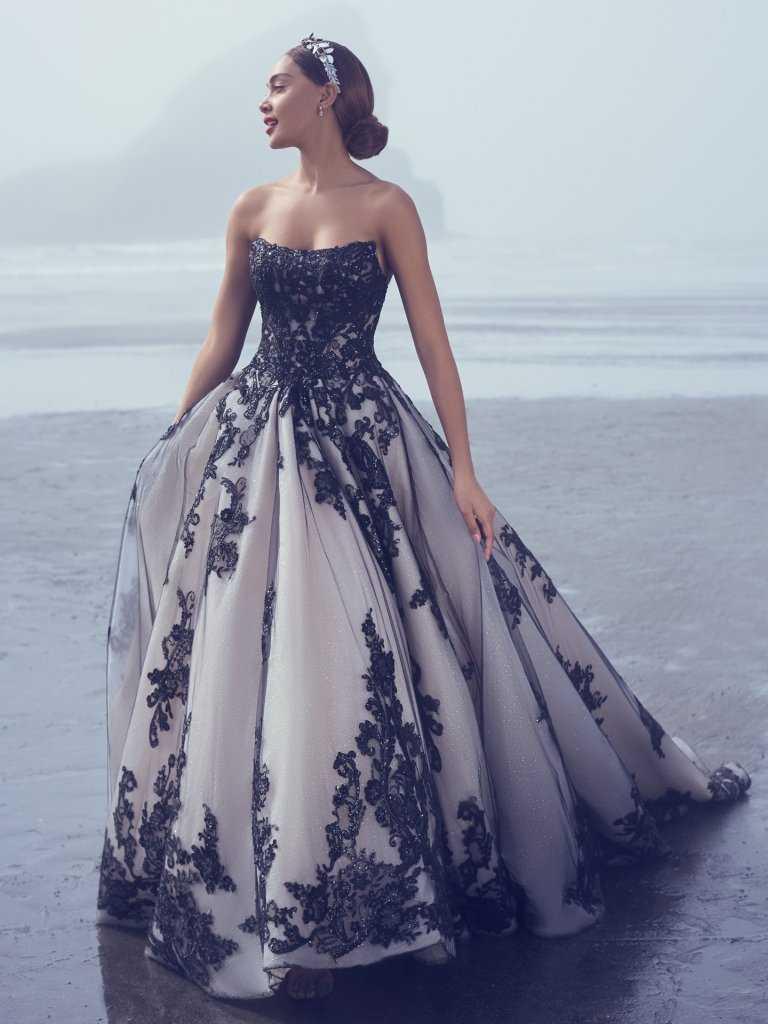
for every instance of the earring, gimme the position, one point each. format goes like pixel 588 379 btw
pixel 320 110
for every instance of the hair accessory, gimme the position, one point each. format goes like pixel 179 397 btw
pixel 323 50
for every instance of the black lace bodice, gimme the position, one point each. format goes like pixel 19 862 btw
pixel 319 308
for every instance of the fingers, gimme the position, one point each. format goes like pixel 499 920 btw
pixel 469 519
pixel 480 526
pixel 489 538
pixel 487 527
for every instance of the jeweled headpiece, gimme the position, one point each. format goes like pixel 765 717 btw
pixel 323 50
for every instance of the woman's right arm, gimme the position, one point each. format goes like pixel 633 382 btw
pixel 232 313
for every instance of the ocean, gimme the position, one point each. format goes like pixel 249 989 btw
pixel 95 326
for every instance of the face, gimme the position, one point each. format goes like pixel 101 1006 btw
pixel 292 99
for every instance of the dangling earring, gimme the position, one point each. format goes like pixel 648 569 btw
pixel 321 111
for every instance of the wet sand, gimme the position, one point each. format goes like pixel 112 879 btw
pixel 649 516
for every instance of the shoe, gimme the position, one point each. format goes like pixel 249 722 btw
pixel 434 956
pixel 308 983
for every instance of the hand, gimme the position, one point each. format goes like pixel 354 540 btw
pixel 475 505
pixel 180 416
pixel 171 429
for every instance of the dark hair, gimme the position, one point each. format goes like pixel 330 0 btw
pixel 363 134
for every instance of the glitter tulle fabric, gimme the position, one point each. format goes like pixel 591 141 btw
pixel 337 733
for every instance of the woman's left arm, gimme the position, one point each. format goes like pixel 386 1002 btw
pixel 405 248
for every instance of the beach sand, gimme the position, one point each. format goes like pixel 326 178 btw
pixel 649 516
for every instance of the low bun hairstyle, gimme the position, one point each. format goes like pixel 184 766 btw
pixel 363 134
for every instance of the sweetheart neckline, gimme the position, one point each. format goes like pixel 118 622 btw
pixel 327 248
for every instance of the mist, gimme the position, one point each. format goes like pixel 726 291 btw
pixel 544 121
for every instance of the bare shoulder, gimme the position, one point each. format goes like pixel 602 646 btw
pixel 399 217
pixel 393 193
pixel 392 198
pixel 250 204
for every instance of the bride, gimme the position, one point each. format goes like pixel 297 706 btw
pixel 350 714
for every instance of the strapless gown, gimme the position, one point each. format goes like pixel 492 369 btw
pixel 336 733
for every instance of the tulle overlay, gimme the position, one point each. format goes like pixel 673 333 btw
pixel 336 733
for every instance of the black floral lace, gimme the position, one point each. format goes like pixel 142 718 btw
pixel 357 897
pixel 323 368
pixel 127 886
pixel 171 682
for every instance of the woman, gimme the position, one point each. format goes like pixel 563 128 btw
pixel 351 716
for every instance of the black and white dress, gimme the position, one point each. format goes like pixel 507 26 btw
pixel 337 733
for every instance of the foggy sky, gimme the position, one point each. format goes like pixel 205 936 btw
pixel 543 118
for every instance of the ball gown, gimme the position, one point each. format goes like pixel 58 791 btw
pixel 336 733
